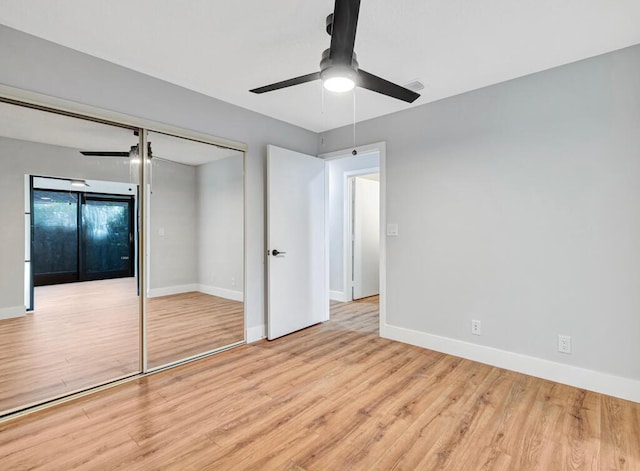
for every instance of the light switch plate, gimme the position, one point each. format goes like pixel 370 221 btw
pixel 392 229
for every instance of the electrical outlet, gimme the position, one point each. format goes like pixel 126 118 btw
pixel 476 328
pixel 564 343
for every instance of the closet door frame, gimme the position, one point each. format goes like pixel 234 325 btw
pixel 25 98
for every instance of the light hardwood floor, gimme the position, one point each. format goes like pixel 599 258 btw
pixel 83 334
pixel 331 397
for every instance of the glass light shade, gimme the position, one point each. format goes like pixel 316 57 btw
pixel 338 84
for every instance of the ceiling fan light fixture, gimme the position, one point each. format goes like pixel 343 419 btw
pixel 79 183
pixel 338 79
pixel 339 84
pixel 134 156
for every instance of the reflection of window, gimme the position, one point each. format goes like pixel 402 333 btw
pixel 105 230
pixel 81 236
pixel 55 235
pixel 104 219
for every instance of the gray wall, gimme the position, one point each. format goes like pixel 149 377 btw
pixel 173 260
pixel 519 205
pixel 220 216
pixel 37 65
pixel 18 158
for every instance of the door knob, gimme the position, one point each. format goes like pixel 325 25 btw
pixel 275 252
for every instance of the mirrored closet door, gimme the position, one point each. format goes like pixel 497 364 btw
pixel 69 305
pixel 195 249
pixel 103 277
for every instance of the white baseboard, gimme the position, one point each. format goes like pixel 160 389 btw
pixel 13 311
pixel 212 290
pixel 256 333
pixel 338 296
pixel 617 386
pixel 169 290
pixel 221 292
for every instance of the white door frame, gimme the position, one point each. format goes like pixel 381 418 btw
pixel 381 148
pixel 349 178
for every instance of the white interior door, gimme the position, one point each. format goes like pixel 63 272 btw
pixel 296 258
pixel 366 237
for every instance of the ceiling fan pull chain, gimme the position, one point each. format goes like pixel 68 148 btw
pixel 354 151
pixel 322 116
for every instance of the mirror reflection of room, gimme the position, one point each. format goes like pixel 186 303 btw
pixel 196 249
pixel 70 279
pixel 69 309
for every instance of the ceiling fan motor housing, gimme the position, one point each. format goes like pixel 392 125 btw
pixel 331 68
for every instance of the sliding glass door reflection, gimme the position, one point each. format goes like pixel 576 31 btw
pixel 55 237
pixel 107 237
pixel 196 249
pixel 81 236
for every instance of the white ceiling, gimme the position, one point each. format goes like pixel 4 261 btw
pixel 224 48
pixel 27 124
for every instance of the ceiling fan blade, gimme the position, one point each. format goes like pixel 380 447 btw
pixel 380 85
pixel 104 153
pixel 287 83
pixel 343 30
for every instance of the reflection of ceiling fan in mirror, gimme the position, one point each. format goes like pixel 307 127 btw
pixel 133 152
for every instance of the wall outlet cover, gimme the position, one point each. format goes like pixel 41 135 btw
pixel 476 327
pixel 564 343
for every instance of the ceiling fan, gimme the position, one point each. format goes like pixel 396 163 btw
pixel 339 70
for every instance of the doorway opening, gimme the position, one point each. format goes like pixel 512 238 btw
pixel 356 216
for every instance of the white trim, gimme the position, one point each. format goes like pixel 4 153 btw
pixel 327 245
pixel 383 234
pixel 68 106
pixel 169 290
pixel 347 267
pixel 347 225
pixel 381 148
pixel 221 292
pixel 256 333
pixel 245 263
pixel 338 296
pixel 361 151
pixel 12 312
pixel 604 383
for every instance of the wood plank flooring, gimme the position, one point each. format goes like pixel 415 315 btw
pixel 331 397
pixel 83 334
pixel 187 324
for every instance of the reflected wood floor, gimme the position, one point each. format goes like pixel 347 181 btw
pixel 331 397
pixel 83 334
pixel 187 324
